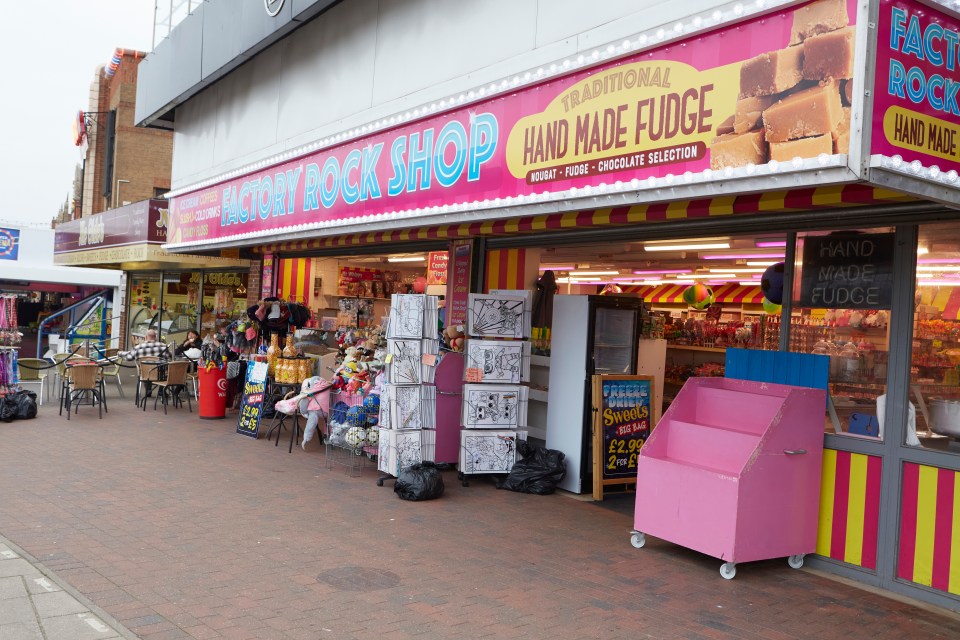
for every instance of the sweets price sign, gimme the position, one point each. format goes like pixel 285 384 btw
pixel 251 406
pixel 622 419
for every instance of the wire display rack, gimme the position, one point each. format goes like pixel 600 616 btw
pixel 349 439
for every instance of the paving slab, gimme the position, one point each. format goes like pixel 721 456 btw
pixel 21 631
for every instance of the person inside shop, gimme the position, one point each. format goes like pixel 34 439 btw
pixel 192 341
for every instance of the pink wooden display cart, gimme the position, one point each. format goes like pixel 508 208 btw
pixel 732 470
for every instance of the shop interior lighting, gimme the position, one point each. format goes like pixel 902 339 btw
pixel 937 260
pixel 686 247
pixel 737 270
pixel 407 259
pixel 938 283
pixel 594 273
pixel 740 256
pixel 922 250
pixel 708 276
pixel 566 267
pixel 761 263
pixel 748 283
pixel 770 244
pixel 654 272
pixel 941 268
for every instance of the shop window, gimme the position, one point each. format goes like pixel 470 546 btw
pixel 841 309
pixel 224 299
pixel 144 306
pixel 935 361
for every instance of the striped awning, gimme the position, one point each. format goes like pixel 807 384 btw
pixel 730 293
pixel 806 199
pixel 947 299
pixel 666 294
pixel 740 294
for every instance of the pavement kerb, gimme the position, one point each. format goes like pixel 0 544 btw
pixel 105 617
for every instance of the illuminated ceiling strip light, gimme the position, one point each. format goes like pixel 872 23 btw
pixel 769 244
pixel 407 259
pixel 706 276
pixel 740 256
pixel 564 267
pixel 654 272
pixel 751 263
pixel 938 260
pixel 686 247
pixel 594 273
pixel 748 284
pixel 940 269
pixel 922 251
pixel 736 270
pixel 937 283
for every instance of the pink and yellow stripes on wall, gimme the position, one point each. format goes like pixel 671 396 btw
pixel 849 508
pixel 929 551
pixel 293 279
pixel 506 269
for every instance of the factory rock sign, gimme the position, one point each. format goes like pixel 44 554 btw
pixel 734 97
pixel 847 271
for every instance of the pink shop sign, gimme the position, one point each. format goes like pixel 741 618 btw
pixel 668 110
pixel 917 104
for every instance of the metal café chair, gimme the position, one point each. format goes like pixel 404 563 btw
pixel 112 369
pixel 149 371
pixel 174 383
pixel 32 371
pixel 84 381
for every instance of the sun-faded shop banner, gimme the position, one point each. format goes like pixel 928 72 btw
pixel 772 88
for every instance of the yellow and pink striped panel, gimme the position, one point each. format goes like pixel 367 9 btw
pixel 505 269
pixel 849 508
pixel 929 552
pixel 293 279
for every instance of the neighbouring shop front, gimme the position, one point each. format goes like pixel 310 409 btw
pixel 169 293
pixel 704 153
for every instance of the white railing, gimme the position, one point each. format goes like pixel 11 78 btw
pixel 167 14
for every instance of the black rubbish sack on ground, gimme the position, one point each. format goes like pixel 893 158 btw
pixel 26 405
pixel 540 471
pixel 419 482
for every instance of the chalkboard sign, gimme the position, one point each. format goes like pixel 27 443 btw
pixel 847 271
pixel 622 421
pixel 251 406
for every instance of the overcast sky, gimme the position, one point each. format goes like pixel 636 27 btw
pixel 49 51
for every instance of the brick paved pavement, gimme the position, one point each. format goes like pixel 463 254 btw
pixel 179 528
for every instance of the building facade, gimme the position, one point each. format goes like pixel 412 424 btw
pixel 648 143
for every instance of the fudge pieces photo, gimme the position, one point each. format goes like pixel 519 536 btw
pixel 794 102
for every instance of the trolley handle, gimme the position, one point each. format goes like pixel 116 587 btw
pixel 794 452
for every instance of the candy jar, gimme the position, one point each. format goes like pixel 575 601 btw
pixel 289 351
pixel 272 352
pixel 305 369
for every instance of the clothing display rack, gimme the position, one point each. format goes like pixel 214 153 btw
pixel 9 380
pixel 9 332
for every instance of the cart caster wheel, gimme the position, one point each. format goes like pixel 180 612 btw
pixel 638 540
pixel 379 482
pixel 728 570
pixel 796 561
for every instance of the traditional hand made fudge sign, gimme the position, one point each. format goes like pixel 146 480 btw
pixel 769 88
pixel 847 271
pixel 917 85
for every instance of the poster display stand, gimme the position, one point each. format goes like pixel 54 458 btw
pixel 622 420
